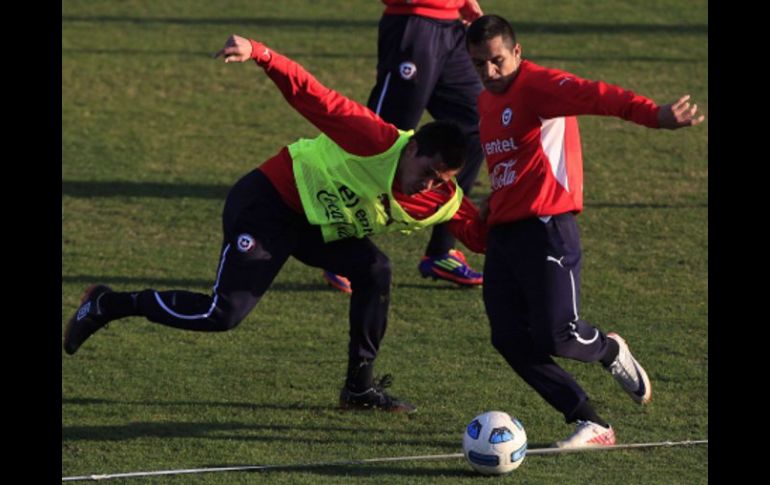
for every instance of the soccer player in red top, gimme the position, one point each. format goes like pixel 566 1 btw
pixel 530 137
pixel 266 220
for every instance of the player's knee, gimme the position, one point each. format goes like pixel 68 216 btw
pixel 225 320
pixel 499 341
pixel 554 342
pixel 380 269
pixel 376 273
pixel 505 343
pixel 228 322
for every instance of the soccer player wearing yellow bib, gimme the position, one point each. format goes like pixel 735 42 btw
pixel 317 200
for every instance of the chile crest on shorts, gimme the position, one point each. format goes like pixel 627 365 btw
pixel 245 243
pixel 407 70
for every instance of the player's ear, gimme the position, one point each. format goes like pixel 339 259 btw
pixel 410 149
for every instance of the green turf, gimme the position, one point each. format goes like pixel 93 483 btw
pixel 153 133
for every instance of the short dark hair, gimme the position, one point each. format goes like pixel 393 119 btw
pixel 488 27
pixel 445 138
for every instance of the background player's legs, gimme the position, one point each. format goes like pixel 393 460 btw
pixel 454 98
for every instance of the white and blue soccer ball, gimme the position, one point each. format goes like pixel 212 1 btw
pixel 494 443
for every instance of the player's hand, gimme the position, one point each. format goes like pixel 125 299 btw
pixel 236 49
pixel 470 11
pixel 679 114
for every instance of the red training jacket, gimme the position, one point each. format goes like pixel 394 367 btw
pixel 530 138
pixel 358 131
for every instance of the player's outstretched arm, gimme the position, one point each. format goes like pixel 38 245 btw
pixel 349 124
pixel 679 114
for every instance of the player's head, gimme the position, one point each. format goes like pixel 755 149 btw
pixel 434 154
pixel 492 46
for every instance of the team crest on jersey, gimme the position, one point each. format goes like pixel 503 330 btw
pixel 407 70
pixel 507 115
pixel 245 243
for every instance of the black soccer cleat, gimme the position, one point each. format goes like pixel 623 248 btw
pixel 375 398
pixel 87 320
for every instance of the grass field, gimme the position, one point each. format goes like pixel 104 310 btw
pixel 154 132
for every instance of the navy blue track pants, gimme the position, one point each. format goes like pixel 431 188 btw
pixel 532 296
pixel 422 64
pixel 260 233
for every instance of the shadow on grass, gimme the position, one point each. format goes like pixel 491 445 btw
pixel 254 432
pixel 162 190
pixel 202 54
pixel 283 23
pixel 87 401
pixel 245 431
pixel 618 58
pixel 435 285
pixel 359 55
pixel 342 23
pixel 166 190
